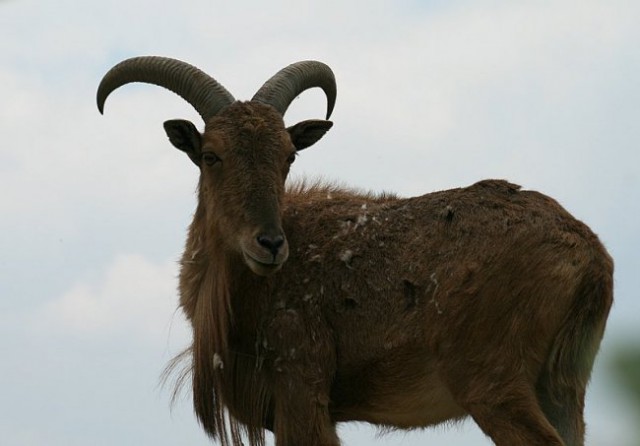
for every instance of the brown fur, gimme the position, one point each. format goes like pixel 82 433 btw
pixel 487 301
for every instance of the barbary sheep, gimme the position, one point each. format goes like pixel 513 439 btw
pixel 315 304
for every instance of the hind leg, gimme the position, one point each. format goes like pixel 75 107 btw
pixel 565 411
pixel 516 421
pixel 508 412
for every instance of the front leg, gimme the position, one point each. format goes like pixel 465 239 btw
pixel 302 366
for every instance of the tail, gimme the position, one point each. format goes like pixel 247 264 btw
pixel 563 382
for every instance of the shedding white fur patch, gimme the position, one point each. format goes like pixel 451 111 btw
pixel 433 300
pixel 217 362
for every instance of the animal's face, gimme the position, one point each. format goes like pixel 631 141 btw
pixel 244 157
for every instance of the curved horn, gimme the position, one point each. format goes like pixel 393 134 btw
pixel 199 89
pixel 286 84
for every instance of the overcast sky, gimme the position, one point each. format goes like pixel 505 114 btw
pixel 431 95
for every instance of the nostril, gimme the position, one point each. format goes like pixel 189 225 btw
pixel 272 243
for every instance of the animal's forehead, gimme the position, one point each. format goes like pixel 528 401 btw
pixel 247 126
pixel 247 117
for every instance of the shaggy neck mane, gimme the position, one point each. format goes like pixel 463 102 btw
pixel 222 381
pixel 210 353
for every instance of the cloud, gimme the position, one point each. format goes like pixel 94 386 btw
pixel 134 298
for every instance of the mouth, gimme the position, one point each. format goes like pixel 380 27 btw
pixel 260 267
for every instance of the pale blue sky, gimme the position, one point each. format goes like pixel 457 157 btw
pixel 431 95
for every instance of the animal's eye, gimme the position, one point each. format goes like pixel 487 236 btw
pixel 210 158
pixel 292 157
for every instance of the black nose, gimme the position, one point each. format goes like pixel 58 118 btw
pixel 271 242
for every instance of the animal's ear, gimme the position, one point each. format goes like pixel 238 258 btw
pixel 184 136
pixel 307 133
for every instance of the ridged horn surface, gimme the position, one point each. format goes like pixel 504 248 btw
pixel 196 87
pixel 283 87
